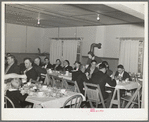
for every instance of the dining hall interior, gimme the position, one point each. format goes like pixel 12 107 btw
pixel 74 55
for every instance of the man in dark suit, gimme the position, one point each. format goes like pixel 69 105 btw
pixel 91 69
pixel 102 78
pixel 30 72
pixel 47 64
pixel 12 67
pixel 80 77
pixel 67 66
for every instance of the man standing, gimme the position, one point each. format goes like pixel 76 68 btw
pixel 12 67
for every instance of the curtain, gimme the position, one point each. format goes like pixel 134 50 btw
pixel 128 56
pixel 70 51
pixel 55 50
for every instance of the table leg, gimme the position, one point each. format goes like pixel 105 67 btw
pixel 117 100
pixel 118 97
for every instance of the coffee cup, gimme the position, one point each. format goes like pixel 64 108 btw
pixel 67 73
pixel 44 87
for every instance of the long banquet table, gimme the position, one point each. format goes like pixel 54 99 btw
pixel 50 102
pixel 120 85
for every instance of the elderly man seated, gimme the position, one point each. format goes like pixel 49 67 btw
pixel 12 67
pixel 33 71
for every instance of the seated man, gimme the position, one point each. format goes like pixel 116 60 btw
pixel 121 74
pixel 37 61
pixel 57 66
pixel 47 64
pixel 30 72
pixel 12 67
pixel 91 69
pixel 101 78
pixel 81 77
pixel 67 66
pixel 76 66
pixel 108 71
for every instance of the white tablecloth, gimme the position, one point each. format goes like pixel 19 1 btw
pixel 51 102
pixel 127 86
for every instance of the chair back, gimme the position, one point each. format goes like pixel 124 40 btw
pixel 8 103
pixel 93 93
pixel 56 81
pixel 71 85
pixel 73 102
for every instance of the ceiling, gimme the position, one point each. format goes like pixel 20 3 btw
pixel 71 15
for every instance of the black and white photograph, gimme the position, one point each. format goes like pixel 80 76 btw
pixel 74 60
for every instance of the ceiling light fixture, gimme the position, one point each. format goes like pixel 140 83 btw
pixel 38 21
pixel 98 18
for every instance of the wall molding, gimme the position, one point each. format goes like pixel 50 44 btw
pixel 103 58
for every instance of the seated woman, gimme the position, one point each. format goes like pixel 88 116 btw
pixel 67 66
pixel 47 64
pixel 57 66
pixel 14 93
pixel 121 74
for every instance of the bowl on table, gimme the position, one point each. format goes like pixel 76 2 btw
pixel 40 94
pixel 44 87
pixel 63 91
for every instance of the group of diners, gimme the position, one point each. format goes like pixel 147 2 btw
pixel 93 72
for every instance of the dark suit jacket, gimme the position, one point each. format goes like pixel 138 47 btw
pixel 68 68
pixel 75 74
pixel 14 69
pixel 101 79
pixel 125 75
pixel 80 79
pixel 88 70
pixel 32 74
pixel 39 70
pixel 49 66
pixel 98 59
pixel 16 97
pixel 109 72
pixel 58 68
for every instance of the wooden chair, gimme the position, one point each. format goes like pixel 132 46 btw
pixel 8 101
pixel 135 99
pixel 71 85
pixel 94 95
pixel 73 102
pixel 56 82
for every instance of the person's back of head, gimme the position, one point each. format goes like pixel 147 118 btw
pixel 102 68
pixel 120 66
pixel 82 68
pixel 106 63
